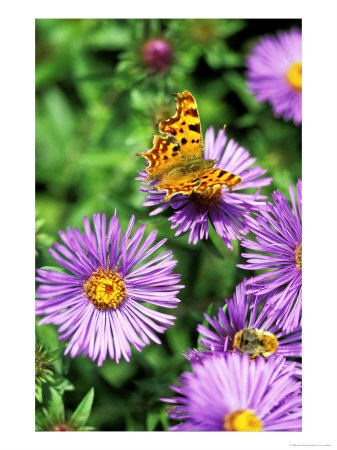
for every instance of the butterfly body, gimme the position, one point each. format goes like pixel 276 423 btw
pixel 190 166
pixel 176 163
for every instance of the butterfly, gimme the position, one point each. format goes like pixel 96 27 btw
pixel 175 162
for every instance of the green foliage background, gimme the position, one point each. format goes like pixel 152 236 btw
pixel 96 106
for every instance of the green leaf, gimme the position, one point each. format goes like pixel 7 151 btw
pixel 53 269
pixel 55 406
pixel 219 55
pixel 39 224
pixel 62 384
pixel 104 159
pixel 209 245
pixel 48 334
pixel 129 422
pixel 38 392
pixel 151 385
pixel 231 27
pixel 138 100
pixel 66 359
pixel 178 338
pixel 82 412
pixel 60 112
pixel 231 59
pixel 152 419
pixel 164 419
pixel 246 121
pixel 237 83
pixel 205 323
pixel 111 35
pixel 41 422
pixel 117 375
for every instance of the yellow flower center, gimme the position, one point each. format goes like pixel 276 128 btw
pixel 298 256
pixel 209 197
pixel 294 76
pixel 242 420
pixel 105 289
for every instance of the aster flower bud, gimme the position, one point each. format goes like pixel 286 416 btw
pixel 43 369
pixel 43 362
pixel 53 417
pixel 157 55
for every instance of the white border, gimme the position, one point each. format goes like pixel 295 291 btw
pixel 17 225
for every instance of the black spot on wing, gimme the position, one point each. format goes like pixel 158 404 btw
pixel 231 176
pixel 192 112
pixel 183 141
pixel 195 127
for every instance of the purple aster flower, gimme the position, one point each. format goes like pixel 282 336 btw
pixel 226 210
pixel 230 392
pixel 278 230
pixel 100 306
pixel 275 73
pixel 247 324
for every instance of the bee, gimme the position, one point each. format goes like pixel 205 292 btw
pixel 255 342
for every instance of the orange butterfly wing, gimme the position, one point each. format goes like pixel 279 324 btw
pixel 175 162
pixel 185 125
pixel 164 155
pixel 200 183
